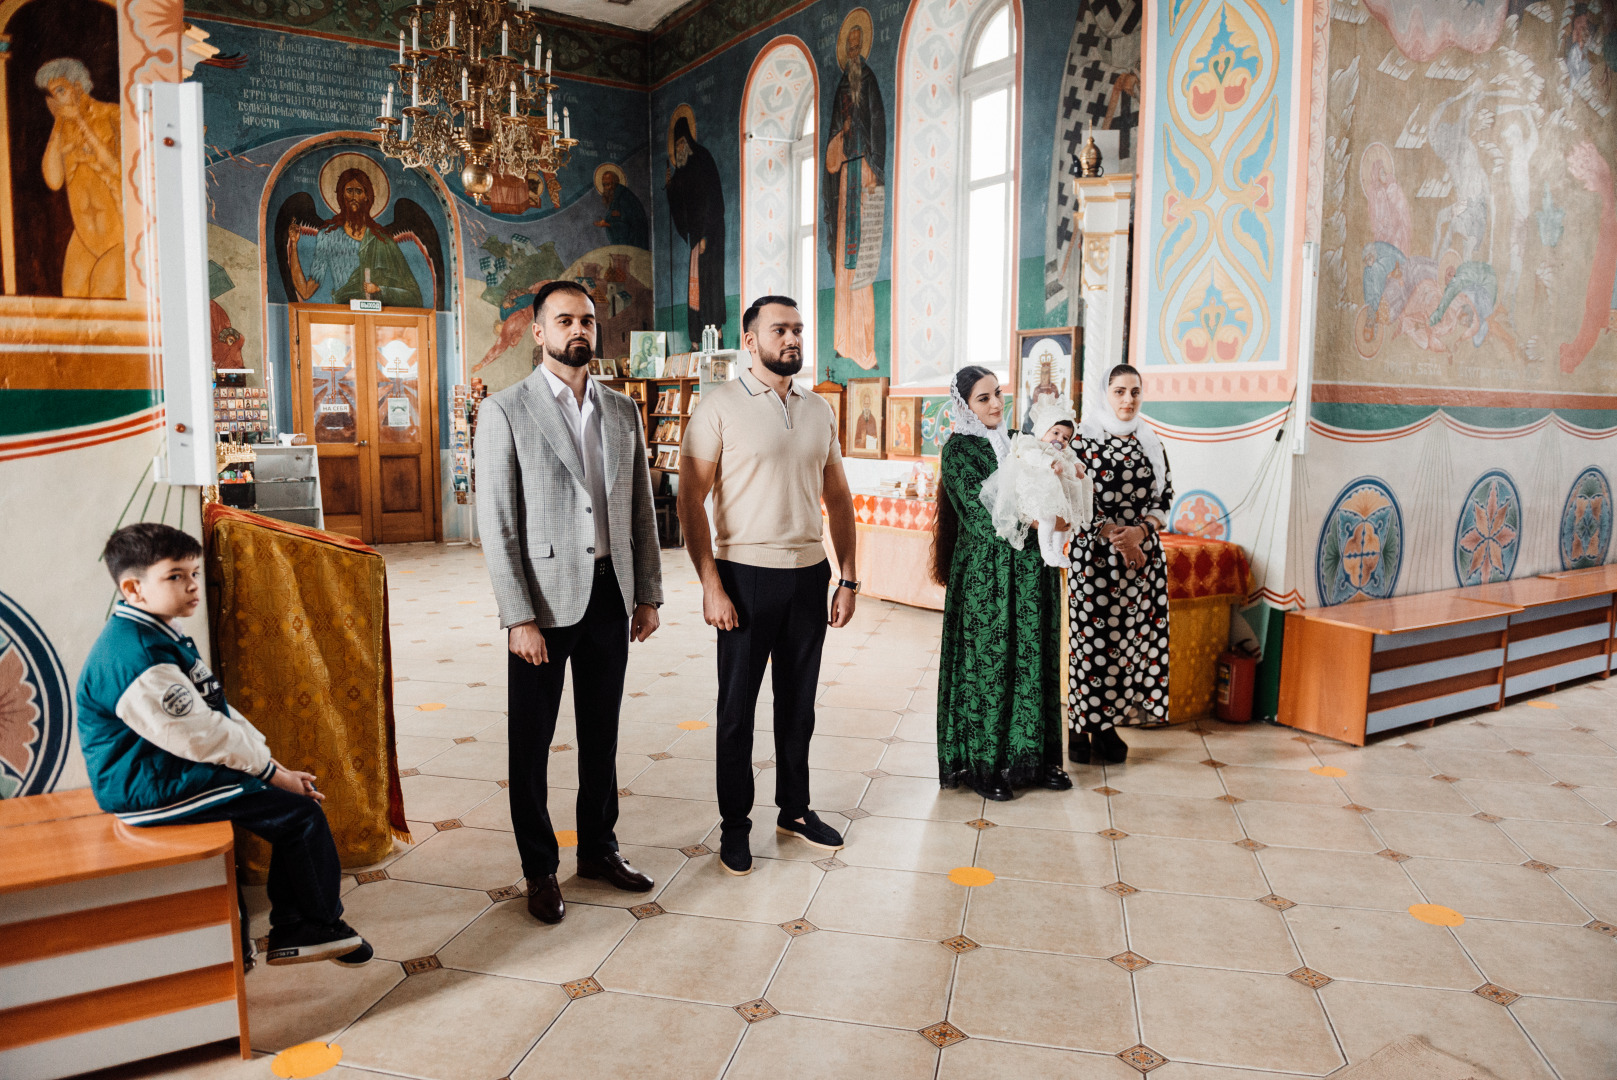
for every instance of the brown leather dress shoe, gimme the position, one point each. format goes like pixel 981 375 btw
pixel 544 900
pixel 615 870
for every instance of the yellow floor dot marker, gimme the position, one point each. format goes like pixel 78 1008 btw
pixel 566 838
pixel 1437 914
pixel 693 725
pixel 306 1059
pixel 1543 704
pixel 429 706
pixel 1327 770
pixel 970 876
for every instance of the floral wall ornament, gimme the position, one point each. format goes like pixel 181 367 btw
pixel 1488 537
pixel 36 710
pixel 1361 544
pixel 1586 521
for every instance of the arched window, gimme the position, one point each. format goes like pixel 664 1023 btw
pixel 779 173
pixel 954 202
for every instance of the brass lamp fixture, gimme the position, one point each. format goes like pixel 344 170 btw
pixel 491 112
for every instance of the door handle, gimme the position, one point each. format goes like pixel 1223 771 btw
pixel 364 442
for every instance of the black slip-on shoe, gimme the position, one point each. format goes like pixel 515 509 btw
pixel 1055 778
pixel 994 789
pixel 304 944
pixel 735 857
pixel 1078 747
pixel 811 830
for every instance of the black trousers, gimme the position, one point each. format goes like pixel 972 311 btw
pixel 305 875
pixel 781 619
pixel 598 647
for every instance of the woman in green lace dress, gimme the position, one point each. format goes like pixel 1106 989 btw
pixel 999 686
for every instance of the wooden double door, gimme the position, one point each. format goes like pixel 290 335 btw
pixel 367 396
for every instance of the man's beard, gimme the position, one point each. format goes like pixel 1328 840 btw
pixel 576 355
pixel 783 367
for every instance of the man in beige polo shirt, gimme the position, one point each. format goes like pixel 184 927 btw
pixel 768 453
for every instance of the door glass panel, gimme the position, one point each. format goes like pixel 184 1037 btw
pixel 398 384
pixel 331 349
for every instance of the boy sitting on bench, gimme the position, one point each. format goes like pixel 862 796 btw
pixel 164 748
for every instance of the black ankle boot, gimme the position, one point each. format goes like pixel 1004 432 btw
pixel 1110 747
pixel 1078 747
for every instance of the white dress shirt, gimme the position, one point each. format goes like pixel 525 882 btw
pixel 585 421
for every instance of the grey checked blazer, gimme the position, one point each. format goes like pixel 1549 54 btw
pixel 531 499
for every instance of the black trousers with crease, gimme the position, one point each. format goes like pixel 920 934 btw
pixel 598 648
pixel 781 619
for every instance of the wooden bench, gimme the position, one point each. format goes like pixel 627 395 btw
pixel 1357 669
pixel 116 943
pixel 1563 632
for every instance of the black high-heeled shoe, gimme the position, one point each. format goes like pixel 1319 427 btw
pixel 1110 747
pixel 1078 747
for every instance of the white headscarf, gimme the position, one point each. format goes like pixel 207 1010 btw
pixel 967 422
pixel 1100 421
pixel 1047 414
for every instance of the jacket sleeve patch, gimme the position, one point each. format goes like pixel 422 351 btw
pixel 177 700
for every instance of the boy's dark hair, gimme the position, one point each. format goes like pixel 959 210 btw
pixel 751 315
pixel 550 288
pixel 134 548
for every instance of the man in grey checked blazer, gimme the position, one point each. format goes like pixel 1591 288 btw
pixel 564 509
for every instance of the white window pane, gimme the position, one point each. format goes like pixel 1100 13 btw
pixel 805 191
pixel 987 245
pixel 807 296
pixel 808 121
pixel 990 141
pixel 995 44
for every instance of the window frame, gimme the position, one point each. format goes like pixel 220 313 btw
pixel 805 148
pixel 975 83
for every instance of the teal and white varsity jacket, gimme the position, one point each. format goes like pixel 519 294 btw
pixel 158 737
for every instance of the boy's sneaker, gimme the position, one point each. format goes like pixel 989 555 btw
pixel 357 957
pixel 811 830
pixel 304 944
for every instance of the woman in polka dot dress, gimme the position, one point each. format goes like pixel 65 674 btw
pixel 1117 603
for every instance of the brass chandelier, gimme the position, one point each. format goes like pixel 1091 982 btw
pixel 492 113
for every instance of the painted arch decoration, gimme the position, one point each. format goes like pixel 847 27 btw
pixel 782 83
pixel 1216 238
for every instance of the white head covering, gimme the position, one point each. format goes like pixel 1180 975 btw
pixel 1047 414
pixel 967 422
pixel 1100 421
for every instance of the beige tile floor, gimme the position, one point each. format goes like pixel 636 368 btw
pixel 1241 920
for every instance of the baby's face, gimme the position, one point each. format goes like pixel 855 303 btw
pixel 1059 436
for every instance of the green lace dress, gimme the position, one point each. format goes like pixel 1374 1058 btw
pixel 1000 685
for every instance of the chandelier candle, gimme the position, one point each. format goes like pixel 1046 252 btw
pixel 488 113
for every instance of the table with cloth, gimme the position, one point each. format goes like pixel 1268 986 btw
pixel 299 625
pixel 1206 578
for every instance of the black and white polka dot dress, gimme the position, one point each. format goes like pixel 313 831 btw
pixel 1118 618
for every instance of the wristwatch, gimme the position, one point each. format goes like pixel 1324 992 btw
pixel 851 586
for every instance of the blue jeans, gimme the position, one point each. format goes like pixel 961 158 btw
pixel 305 875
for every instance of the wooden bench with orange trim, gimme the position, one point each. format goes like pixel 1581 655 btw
pixel 116 943
pixel 1354 670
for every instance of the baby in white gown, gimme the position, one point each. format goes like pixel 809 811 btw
pixel 1040 485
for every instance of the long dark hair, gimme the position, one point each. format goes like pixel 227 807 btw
pixel 946 524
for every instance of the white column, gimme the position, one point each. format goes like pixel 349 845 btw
pixel 1105 205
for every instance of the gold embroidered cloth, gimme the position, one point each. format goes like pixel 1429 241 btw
pixel 300 641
